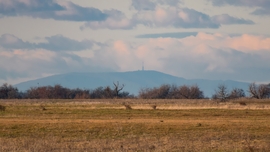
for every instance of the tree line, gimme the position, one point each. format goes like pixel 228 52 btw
pixel 60 92
pixel 165 91
pixel 261 91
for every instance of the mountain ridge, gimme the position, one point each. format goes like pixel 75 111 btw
pixel 133 80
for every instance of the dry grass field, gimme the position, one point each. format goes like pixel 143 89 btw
pixel 147 125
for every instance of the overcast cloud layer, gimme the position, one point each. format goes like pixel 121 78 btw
pixel 210 39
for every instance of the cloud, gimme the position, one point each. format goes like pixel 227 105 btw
pixel 247 3
pixel 61 43
pixel 22 60
pixel 208 56
pixel 20 64
pixel 54 43
pixel 143 4
pixel 227 19
pixel 262 6
pixel 261 11
pixel 160 17
pixel 50 9
pixel 9 41
pixel 166 35
pixel 27 60
pixel 115 20
pixel 204 55
pixel 152 4
pixel 16 7
pixel 175 17
pixel 73 12
pixel 170 2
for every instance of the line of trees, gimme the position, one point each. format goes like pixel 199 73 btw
pixel 172 92
pixel 223 94
pixel 60 92
pixel 165 91
pixel 261 91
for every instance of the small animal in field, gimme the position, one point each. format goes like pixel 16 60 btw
pixel 242 103
pixel 128 107
pixel 2 108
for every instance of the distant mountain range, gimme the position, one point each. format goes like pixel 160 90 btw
pixel 133 81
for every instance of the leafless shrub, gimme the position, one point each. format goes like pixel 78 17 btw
pixel 2 108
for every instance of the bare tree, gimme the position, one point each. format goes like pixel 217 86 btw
pixel 196 93
pixel 163 91
pixel 259 91
pixel 107 92
pixel 118 88
pixel 184 92
pixel 190 92
pixel 221 93
pixel 237 93
pixel 8 92
pixel 174 92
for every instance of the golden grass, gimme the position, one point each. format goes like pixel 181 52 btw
pixel 105 125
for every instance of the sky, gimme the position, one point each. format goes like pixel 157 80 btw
pixel 194 39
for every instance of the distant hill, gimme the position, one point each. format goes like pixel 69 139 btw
pixel 133 80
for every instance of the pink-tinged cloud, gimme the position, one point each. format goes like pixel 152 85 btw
pixel 121 48
pixel 249 43
pixel 20 64
pixel 205 55
pixel 243 43
pixel 202 45
pixel 22 60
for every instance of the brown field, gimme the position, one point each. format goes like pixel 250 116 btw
pixel 105 125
